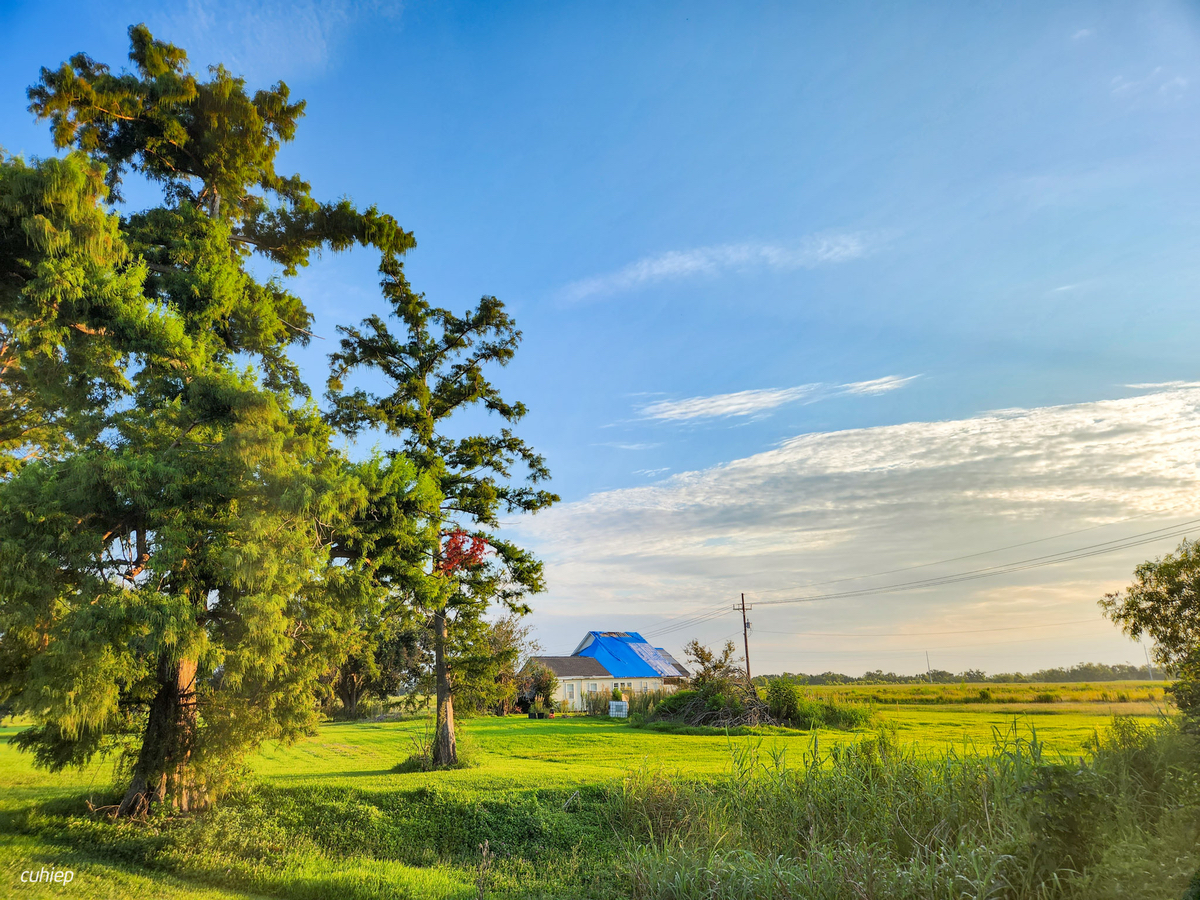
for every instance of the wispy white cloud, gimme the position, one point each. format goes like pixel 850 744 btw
pixel 740 403
pixel 1081 34
pixel 876 386
pixel 816 250
pixel 758 402
pixel 838 505
pixel 264 41
pixel 1158 80
pixel 618 445
pixel 651 473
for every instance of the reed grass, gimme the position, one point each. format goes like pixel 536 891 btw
pixel 879 820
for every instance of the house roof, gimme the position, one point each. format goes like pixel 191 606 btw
pixel 626 655
pixel 682 672
pixel 573 666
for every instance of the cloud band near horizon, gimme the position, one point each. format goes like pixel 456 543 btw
pixel 840 504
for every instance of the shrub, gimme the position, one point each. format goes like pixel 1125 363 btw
pixel 1186 689
pixel 789 707
pixel 541 684
pixel 421 757
pixel 783 699
pixel 671 706
pixel 644 704
pixel 596 704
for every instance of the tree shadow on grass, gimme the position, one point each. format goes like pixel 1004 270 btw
pixel 324 776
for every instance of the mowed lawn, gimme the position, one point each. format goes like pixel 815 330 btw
pixel 515 760
pixel 517 752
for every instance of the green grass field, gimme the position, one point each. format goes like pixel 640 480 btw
pixel 327 816
pixel 1118 695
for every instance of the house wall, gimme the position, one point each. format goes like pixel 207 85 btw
pixel 573 690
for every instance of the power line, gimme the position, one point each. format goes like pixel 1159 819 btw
pixel 688 623
pixel 692 613
pixel 1036 562
pixel 693 619
pixel 923 633
pixel 918 650
pixel 941 562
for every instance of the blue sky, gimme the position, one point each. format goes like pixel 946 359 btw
pixel 725 227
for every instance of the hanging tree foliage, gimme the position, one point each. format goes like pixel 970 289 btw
pixel 166 511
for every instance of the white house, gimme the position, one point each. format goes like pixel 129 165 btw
pixel 605 659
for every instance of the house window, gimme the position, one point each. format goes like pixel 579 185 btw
pixel 570 691
pixel 592 687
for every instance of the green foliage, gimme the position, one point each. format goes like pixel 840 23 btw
pixel 720 696
pixel 1080 672
pixel 646 702
pixel 209 143
pixel 167 495
pixel 422 757
pixel 326 817
pixel 1186 689
pixel 789 707
pixel 1163 603
pixel 672 705
pixel 458 566
pixel 783 699
pixel 384 659
pixel 1146 696
pixel 71 307
pixel 712 668
pixel 874 819
pixel 494 687
pixel 542 684
pixel 596 704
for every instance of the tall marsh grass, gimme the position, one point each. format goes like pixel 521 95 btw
pixel 791 707
pixel 875 820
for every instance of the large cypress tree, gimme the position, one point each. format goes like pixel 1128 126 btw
pixel 169 497
pixel 449 570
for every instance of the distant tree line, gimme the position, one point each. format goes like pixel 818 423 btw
pixel 1078 672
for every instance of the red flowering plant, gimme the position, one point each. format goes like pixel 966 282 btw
pixel 461 551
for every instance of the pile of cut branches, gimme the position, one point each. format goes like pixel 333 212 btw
pixel 725 704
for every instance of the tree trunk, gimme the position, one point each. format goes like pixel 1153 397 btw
pixel 349 689
pixel 161 774
pixel 445 750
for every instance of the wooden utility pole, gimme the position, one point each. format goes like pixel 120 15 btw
pixel 745 632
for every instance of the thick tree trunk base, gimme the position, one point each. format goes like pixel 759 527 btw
pixel 141 798
pixel 162 774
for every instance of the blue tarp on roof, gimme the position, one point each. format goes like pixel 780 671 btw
pixel 625 654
